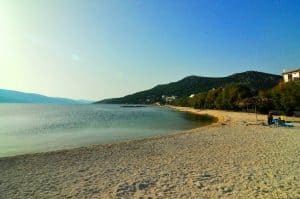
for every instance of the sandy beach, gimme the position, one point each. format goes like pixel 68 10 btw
pixel 236 157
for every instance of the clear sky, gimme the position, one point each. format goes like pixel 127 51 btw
pixel 109 48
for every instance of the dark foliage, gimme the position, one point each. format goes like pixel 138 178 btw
pixel 195 84
pixel 241 91
pixel 285 97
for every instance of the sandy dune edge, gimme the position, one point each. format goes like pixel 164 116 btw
pixel 235 158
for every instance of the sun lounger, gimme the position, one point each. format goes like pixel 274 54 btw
pixel 279 122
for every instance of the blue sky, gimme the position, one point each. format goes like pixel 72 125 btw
pixel 99 49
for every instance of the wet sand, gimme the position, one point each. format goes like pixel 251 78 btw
pixel 236 157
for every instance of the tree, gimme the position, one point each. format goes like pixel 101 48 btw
pixel 286 97
pixel 200 100
pixel 231 95
pixel 211 97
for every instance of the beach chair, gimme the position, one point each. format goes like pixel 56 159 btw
pixel 275 122
pixel 279 122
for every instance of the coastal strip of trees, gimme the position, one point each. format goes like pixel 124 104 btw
pixel 285 97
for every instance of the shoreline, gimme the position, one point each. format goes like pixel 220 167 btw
pixel 227 159
pixel 174 133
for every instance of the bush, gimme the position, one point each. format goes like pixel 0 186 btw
pixel 285 97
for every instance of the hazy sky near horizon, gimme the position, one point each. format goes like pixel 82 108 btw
pixel 109 48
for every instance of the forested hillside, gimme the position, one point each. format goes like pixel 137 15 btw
pixel 196 84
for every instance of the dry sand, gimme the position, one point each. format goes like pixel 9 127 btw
pixel 234 158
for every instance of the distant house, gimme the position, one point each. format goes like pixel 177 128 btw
pixel 168 98
pixel 291 75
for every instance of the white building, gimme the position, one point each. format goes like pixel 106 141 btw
pixel 291 75
pixel 168 98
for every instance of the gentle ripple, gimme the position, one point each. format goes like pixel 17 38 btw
pixel 30 128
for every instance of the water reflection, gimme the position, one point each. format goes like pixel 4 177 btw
pixel 28 128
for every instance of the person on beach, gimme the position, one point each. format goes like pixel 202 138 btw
pixel 270 118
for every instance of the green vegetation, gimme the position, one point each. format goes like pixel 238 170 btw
pixel 284 97
pixel 247 91
pixel 194 84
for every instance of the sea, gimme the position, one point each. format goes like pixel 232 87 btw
pixel 33 128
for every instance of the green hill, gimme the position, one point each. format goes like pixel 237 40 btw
pixel 196 84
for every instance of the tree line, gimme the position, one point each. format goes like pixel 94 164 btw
pixel 284 97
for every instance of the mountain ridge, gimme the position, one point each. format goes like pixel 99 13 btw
pixel 12 96
pixel 195 84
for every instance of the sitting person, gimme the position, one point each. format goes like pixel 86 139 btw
pixel 282 118
pixel 281 121
pixel 270 118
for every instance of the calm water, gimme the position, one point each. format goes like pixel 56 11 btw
pixel 28 128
